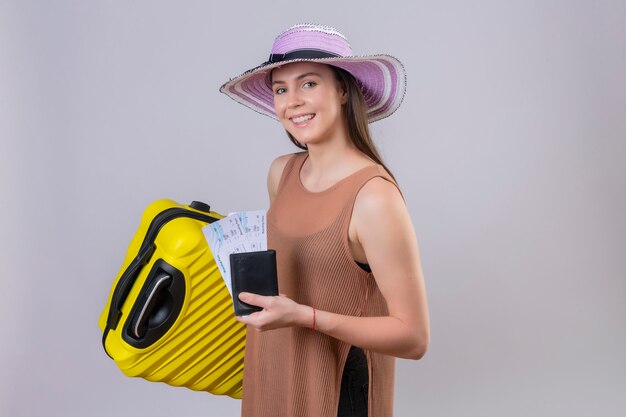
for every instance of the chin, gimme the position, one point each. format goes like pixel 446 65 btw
pixel 305 140
pixel 310 137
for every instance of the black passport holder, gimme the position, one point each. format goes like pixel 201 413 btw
pixel 253 272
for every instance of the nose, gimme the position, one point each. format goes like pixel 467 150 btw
pixel 293 98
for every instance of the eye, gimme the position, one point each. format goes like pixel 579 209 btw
pixel 309 84
pixel 280 90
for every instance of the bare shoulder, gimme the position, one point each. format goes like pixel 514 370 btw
pixel 379 207
pixel 377 197
pixel 275 172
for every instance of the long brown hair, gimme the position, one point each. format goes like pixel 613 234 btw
pixel 355 115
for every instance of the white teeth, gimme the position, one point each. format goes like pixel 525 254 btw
pixel 302 119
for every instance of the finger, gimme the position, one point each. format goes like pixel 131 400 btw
pixel 247 318
pixel 253 320
pixel 255 299
pixel 242 319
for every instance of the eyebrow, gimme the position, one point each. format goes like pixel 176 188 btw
pixel 299 77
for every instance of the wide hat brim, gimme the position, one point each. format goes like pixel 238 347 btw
pixel 381 79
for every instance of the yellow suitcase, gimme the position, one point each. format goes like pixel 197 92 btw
pixel 169 316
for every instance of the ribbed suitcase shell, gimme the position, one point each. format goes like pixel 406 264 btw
pixel 203 349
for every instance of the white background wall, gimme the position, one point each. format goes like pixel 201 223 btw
pixel 509 147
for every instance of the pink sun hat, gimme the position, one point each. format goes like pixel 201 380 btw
pixel 381 78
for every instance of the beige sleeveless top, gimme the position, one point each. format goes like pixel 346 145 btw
pixel 296 372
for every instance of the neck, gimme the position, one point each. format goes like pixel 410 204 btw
pixel 330 152
pixel 326 157
pixel 329 162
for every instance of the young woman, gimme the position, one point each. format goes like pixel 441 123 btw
pixel 352 291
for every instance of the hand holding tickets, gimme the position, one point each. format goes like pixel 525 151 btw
pixel 243 231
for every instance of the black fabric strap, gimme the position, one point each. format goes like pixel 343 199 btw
pixel 301 54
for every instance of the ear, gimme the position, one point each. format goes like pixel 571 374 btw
pixel 344 97
pixel 343 93
pixel 342 89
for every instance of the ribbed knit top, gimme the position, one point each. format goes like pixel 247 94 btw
pixel 296 372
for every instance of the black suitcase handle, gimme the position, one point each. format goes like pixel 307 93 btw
pixel 146 250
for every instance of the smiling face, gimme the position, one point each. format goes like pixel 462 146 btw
pixel 308 101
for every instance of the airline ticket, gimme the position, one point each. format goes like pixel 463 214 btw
pixel 242 231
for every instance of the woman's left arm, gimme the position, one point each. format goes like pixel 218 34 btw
pixel 385 231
